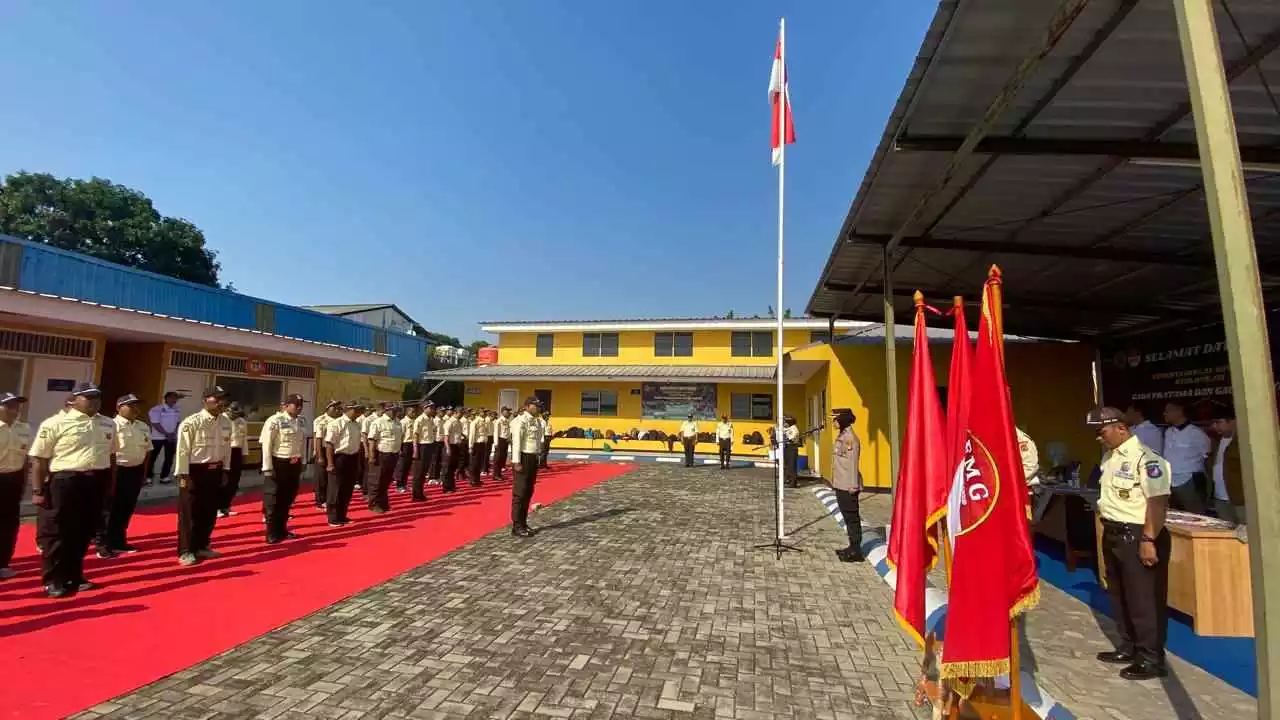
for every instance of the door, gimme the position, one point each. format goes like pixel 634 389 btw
pixel 817 416
pixel 544 396
pixel 191 385
pixel 51 381
pixel 509 398
pixel 307 389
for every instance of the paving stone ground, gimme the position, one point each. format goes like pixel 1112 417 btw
pixel 641 598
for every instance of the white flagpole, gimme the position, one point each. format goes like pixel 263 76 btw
pixel 777 309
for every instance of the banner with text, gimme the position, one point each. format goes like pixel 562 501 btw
pixel 675 401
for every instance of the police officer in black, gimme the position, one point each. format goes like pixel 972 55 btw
pixel 1133 496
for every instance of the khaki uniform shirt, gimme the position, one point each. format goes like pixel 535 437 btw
pixel 387 434
pixel 1131 473
pixel 425 429
pixel 792 434
pixel 344 435
pixel 283 440
pixel 1030 455
pixel 724 431
pixel 239 433
pixel 406 428
pixel 75 442
pixel 502 428
pixel 364 423
pixel 478 431
pixel 688 429
pixel 318 427
pixel 846 454
pixel 134 440
pixel 546 429
pixel 203 438
pixel 526 435
pixel 452 431
pixel 15 441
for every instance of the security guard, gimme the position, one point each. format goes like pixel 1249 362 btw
pixel 464 460
pixel 342 443
pixel 424 450
pixel 131 472
pixel 689 438
pixel 41 536
pixel 477 433
pixel 455 452
pixel 437 461
pixel 526 444
pixel 791 451
pixel 368 415
pixel 331 411
pixel 1030 457
pixel 724 438
pixel 404 468
pixel 846 481
pixel 547 435
pixel 1134 495
pixel 204 454
pixel 283 443
pixel 73 461
pixel 502 435
pixel 239 441
pixel 490 418
pixel 15 441
pixel 386 434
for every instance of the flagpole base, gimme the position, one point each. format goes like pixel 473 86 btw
pixel 778 547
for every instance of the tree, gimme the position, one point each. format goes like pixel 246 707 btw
pixel 475 346
pixel 108 221
pixel 729 315
pixel 786 313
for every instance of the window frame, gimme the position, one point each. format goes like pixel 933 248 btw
pixel 601 347
pixel 551 345
pixel 752 338
pixel 753 401
pixel 599 400
pixel 672 338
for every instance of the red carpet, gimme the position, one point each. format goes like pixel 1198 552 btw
pixel 152 617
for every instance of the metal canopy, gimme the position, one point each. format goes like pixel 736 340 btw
pixel 1054 138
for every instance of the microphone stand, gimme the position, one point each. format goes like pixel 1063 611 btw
pixel 777 546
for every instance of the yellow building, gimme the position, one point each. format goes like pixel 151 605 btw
pixel 634 377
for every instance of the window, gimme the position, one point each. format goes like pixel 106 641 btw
pixel 546 345
pixel 745 343
pixel 600 344
pixel 751 406
pixel 544 397
pixel 259 398
pixel 599 403
pixel 673 344
pixel 820 336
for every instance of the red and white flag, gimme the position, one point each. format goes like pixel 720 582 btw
pixel 780 101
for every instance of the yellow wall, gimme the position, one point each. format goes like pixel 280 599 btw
pixel 136 368
pixel 333 385
pixel 710 347
pixel 99 348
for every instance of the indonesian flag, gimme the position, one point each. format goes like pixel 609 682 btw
pixel 957 409
pixel 912 547
pixel 780 101
pixel 993 567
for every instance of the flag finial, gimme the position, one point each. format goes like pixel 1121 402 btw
pixel 919 298
pixel 994 273
pixel 957 301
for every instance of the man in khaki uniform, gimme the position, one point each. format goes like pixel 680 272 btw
pixel 424 450
pixel 342 447
pixel 73 462
pixel 689 439
pixel 502 435
pixel 283 443
pixel 385 436
pixel 724 438
pixel 318 427
pixel 477 433
pixel 526 448
pixel 204 453
pixel 1030 457
pixel 239 442
pixel 1133 497
pixel 455 452
pixel 404 467
pixel 131 473
pixel 15 441
pixel 846 481
pixel 547 435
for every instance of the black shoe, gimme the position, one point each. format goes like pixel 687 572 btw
pixel 106 552
pixel 850 555
pixel 1143 670
pixel 85 586
pixel 274 541
pixel 291 535
pixel 125 549
pixel 523 532
pixel 54 591
pixel 419 498
pixel 1116 657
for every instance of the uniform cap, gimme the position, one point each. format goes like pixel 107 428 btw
pixel 1102 416
pixel 428 404
pixel 235 408
pixel 86 390
pixel 216 392
pixel 8 397
pixel 505 409
pixel 295 399
pixel 129 399
pixel 532 401
pixel 351 406
pixel 333 404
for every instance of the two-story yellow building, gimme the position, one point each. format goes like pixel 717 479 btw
pixel 623 383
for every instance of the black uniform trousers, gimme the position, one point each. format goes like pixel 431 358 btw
pixel 546 451
pixel 362 476
pixel 1139 594
pixel 278 493
pixel 689 445
pixel 404 466
pixel 120 506
pixel 726 451
pixel 342 484
pixel 791 468
pixel 321 475
pixel 488 452
pixel 850 509
pixel 522 482
pixel 12 487
pixel 169 448
pixel 500 457
pixel 74 509
pixel 437 461
pixel 198 506
pixel 457 455
pixel 380 484
pixel 234 470
pixel 428 457
pixel 477 457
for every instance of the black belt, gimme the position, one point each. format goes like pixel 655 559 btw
pixel 78 473
pixel 205 465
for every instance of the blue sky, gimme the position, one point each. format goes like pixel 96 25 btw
pixel 469 160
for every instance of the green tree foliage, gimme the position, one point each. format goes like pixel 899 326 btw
pixel 438 339
pixel 108 221
pixel 475 346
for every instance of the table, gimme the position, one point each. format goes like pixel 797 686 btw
pixel 1050 518
pixel 1209 576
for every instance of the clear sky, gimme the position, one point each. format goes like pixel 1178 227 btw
pixel 474 159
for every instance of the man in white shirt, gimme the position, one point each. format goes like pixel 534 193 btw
pixel 1185 447
pixel 165 419
pixel 689 437
pixel 1148 433
pixel 724 438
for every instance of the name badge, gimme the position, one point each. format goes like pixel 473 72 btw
pixel 1124 494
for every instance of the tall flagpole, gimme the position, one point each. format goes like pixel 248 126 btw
pixel 777 309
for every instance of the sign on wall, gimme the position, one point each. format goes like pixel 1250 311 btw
pixel 674 401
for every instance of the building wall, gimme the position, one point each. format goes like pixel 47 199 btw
pixel 41 371
pixel 635 347
pixel 138 368
pixel 334 385
pixel 385 318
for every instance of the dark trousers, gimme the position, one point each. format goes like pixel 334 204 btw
pixel 169 448
pixel 12 487
pixel 234 471
pixel 546 451
pixel 120 507
pixel 457 455
pixel 437 461
pixel 1139 594
pixel 726 451
pixel 689 445
pixel 848 503
pixel 488 452
pixel 404 466
pixel 523 480
pixel 380 485
pixel 476 464
pixel 74 508
pixel 198 507
pixel 428 457
pixel 1187 497
pixel 279 490
pixel 791 468
pixel 342 484
pixel 1203 487
pixel 362 475
pixel 321 475
pixel 500 457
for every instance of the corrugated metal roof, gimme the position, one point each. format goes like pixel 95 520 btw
pixel 1085 187
pixel 616 372
pixel 347 309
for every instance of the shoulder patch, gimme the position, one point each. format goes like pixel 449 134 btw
pixel 1154 471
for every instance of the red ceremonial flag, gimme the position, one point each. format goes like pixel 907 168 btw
pixel 993 567
pixel 780 101
pixel 912 548
pixel 957 409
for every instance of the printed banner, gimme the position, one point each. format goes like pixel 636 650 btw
pixel 674 401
